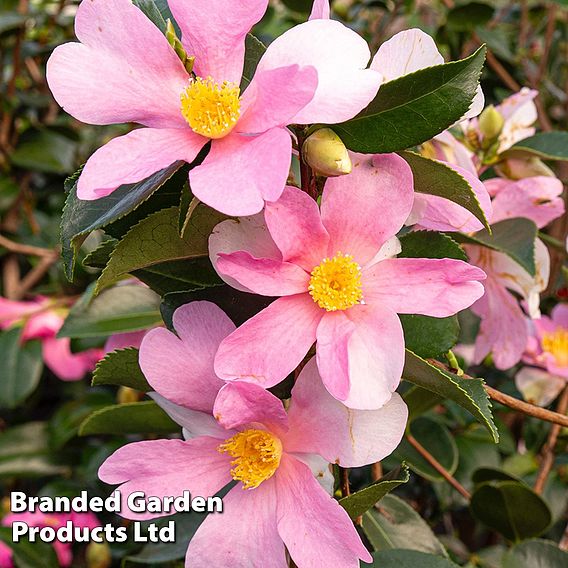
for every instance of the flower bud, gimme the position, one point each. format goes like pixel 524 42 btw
pixel 491 123
pixel 98 555
pixel 126 395
pixel 519 168
pixel 326 154
pixel 174 41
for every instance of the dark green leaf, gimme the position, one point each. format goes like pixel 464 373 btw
pixel 468 16
pixel 511 508
pixel 412 109
pixel 430 337
pixel 419 401
pixel 535 554
pixel 430 244
pixel 21 368
pixel 436 178
pixel 468 393
pixel 130 418
pixel 403 558
pixel 98 257
pixel 153 12
pixel 30 554
pixel 546 145
pixel 45 151
pixel 254 50
pixel 485 474
pixel 360 501
pixel 116 310
pixel 121 368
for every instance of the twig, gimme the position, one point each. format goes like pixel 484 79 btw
pixel 503 74
pixel 376 471
pixel 35 275
pixel 438 466
pixel 344 482
pixel 548 38
pixel 26 249
pixel 524 24
pixel 548 449
pixel 11 276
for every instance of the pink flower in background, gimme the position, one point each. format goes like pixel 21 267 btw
pixel 239 431
pixel 111 77
pixel 339 283
pixel 41 321
pixel 5 556
pixel 124 340
pixel 63 550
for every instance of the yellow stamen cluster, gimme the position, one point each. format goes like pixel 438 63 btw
pixel 211 110
pixel 336 283
pixel 257 456
pixel 556 343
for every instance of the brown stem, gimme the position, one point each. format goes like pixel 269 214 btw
pixel 524 24
pixel 503 74
pixel 308 179
pixel 11 276
pixel 376 471
pixel 548 450
pixel 26 249
pixel 438 466
pixel 344 482
pixel 548 37
pixel 35 275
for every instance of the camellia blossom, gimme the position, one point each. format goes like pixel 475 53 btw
pixel 239 431
pixel 339 283
pixel 41 319
pixel 5 556
pixel 315 72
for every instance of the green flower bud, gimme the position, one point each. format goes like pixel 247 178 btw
pixel 174 41
pixel 491 123
pixel 326 154
pixel 98 555
pixel 126 395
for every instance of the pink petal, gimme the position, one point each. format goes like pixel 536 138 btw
pixel 240 404
pixel 181 369
pixel 351 438
pixel 134 157
pixel 66 365
pixel 431 287
pixel 295 225
pixel 269 346
pixel 495 185
pixel 113 77
pixel 328 46
pixel 373 340
pixel 43 325
pixel 320 10
pixel 275 96
pixel 559 315
pixel 317 531
pixel 5 556
pixel 125 340
pixel 163 468
pixel 538 386
pixel 263 275
pixel 511 105
pixel 449 149
pixel 365 209
pixel 246 233
pixel 241 172
pixel 406 52
pixel 248 528
pixel 214 32
pixel 536 198
pixel 11 311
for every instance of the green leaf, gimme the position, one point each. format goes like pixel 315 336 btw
pixel 130 418
pixel 413 109
pixel 45 151
pixel 29 554
pixel 419 401
pixel 546 145
pixel 98 257
pixel 153 12
pixel 436 438
pixel 116 310
pixel 82 217
pixel 430 244
pixel 513 237
pixel 403 558
pixel 254 50
pixel 535 554
pixel 394 524
pixel 156 240
pixel 468 393
pixel 511 508
pixel 21 368
pixel 11 21
pixel 360 501
pixel 469 16
pixel 121 368
pixel 432 177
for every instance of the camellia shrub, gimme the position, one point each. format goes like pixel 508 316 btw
pixel 304 302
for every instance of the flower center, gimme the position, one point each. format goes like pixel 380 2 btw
pixel 556 343
pixel 257 456
pixel 336 283
pixel 211 110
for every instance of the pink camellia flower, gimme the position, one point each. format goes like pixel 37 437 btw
pixel 315 72
pixel 41 320
pixel 5 556
pixel 339 283
pixel 63 550
pixel 239 431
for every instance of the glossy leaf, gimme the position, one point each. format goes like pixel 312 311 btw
pixel 403 558
pixel 545 145
pixel 121 368
pixel 535 554
pixel 254 50
pixel 45 151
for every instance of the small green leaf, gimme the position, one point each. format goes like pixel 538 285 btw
pixel 394 524
pixel 360 501
pixel 254 50
pixel 21 368
pixel 546 145
pixel 535 554
pixel 511 508
pixel 404 558
pixel 412 109
pixel 29 554
pixel 130 418
pixel 99 257
pixel 116 310
pixel 469 16
pixel 513 237
pixel 156 240
pixel 121 368
pixel 430 244
pixel 432 177
pixel 468 393
pixel 153 12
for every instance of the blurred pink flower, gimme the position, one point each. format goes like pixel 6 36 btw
pixel 42 321
pixel 5 556
pixel 124 340
pixel 239 431
pixel 340 284
pixel 111 77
